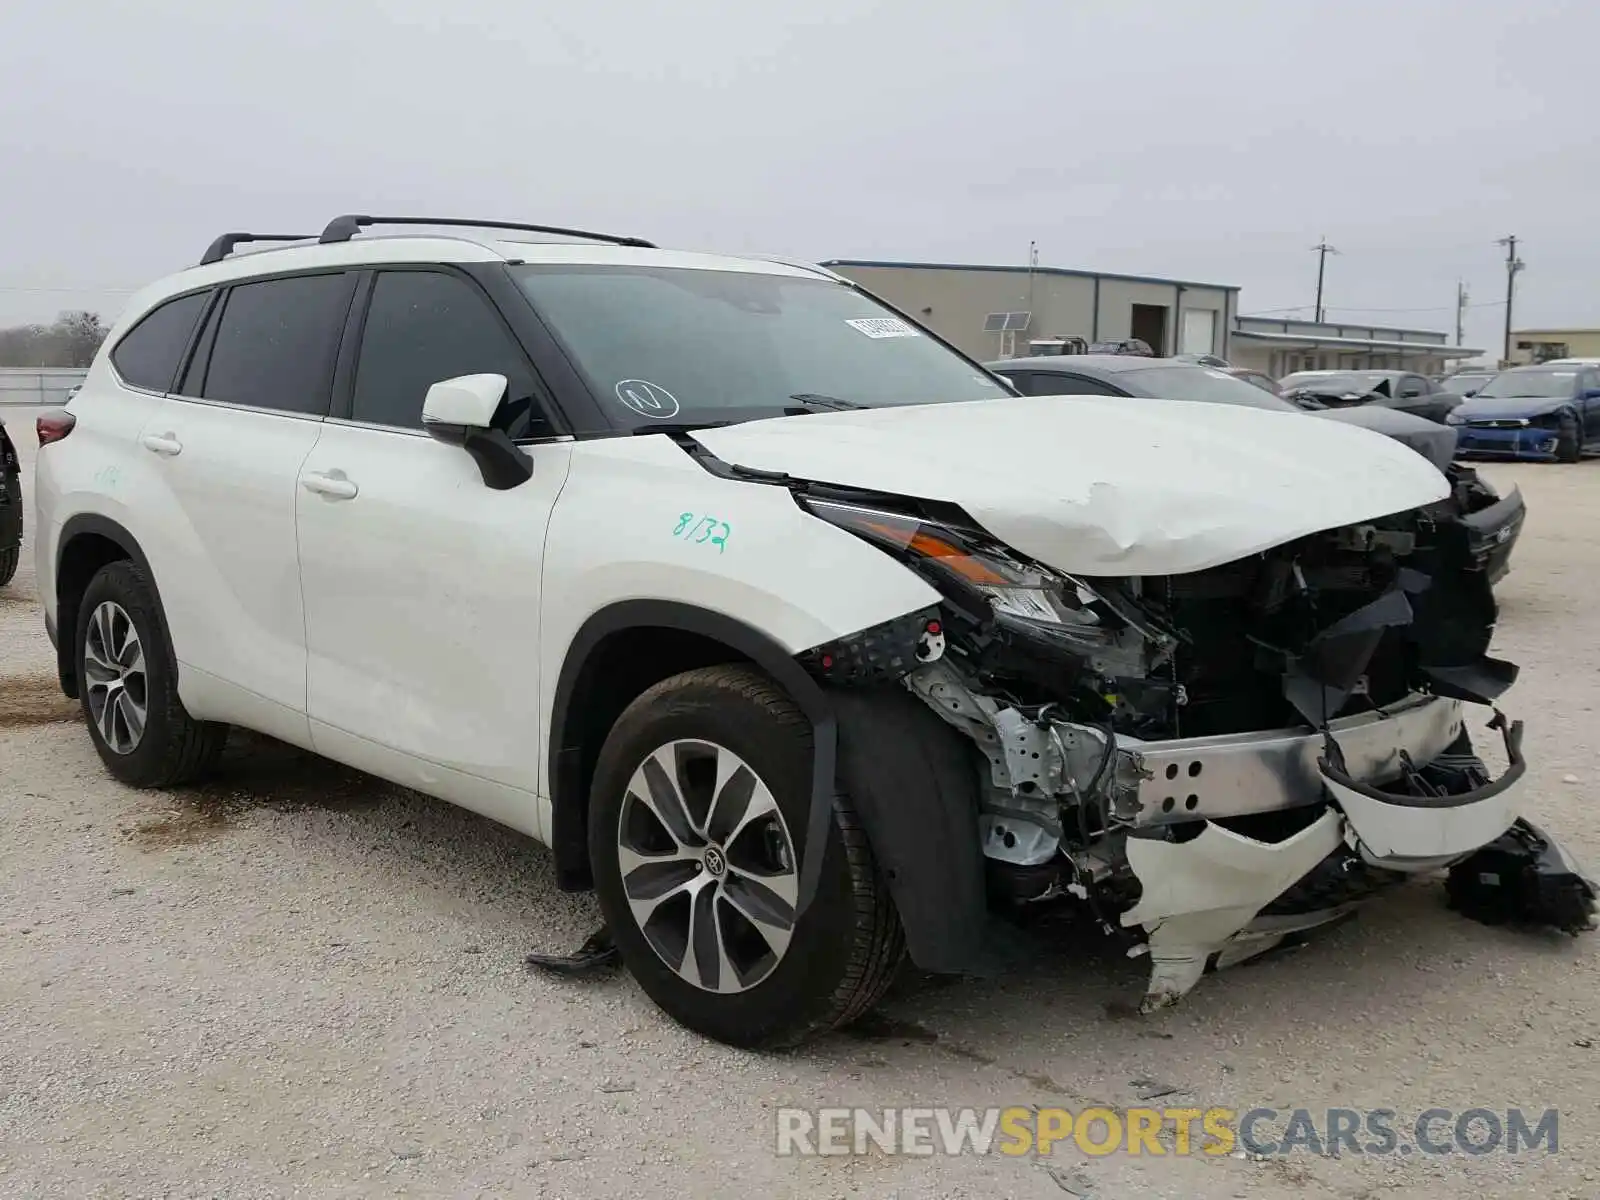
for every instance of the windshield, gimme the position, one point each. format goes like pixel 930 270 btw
pixel 692 346
pixel 1341 384
pixel 1541 384
pixel 1457 382
pixel 1205 384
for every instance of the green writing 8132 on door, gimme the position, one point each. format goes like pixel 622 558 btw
pixel 703 530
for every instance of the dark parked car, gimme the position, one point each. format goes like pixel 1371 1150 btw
pixel 1401 390
pixel 10 507
pixel 1206 360
pixel 1265 382
pixel 1492 522
pixel 1546 412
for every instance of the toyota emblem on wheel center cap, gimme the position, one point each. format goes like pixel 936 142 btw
pixel 715 863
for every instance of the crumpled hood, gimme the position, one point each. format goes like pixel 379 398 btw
pixel 1508 408
pixel 1104 486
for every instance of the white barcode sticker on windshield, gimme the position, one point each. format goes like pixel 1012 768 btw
pixel 882 327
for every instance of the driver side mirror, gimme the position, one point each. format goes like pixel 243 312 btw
pixel 461 412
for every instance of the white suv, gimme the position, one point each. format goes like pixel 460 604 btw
pixel 791 630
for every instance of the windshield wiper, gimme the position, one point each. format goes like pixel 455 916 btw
pixel 811 402
pixel 672 427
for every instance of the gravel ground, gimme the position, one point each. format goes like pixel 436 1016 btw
pixel 300 981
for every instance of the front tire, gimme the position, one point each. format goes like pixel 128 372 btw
pixel 8 564
pixel 697 827
pixel 128 685
pixel 1569 445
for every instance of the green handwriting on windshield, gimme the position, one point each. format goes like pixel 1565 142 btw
pixel 704 531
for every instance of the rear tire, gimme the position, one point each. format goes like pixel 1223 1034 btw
pixel 128 685
pixel 8 564
pixel 823 970
pixel 1569 446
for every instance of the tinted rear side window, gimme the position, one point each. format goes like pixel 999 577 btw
pixel 276 343
pixel 423 327
pixel 148 354
pixel 1048 384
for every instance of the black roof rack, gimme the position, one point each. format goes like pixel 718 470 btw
pixel 342 229
pixel 223 246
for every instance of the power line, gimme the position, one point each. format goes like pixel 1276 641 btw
pixel 83 291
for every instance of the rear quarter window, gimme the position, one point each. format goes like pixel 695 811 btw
pixel 276 341
pixel 148 354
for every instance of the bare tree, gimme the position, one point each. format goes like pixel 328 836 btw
pixel 70 341
pixel 82 333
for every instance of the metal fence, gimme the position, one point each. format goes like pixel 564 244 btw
pixel 40 388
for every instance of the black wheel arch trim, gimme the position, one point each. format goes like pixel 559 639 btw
pixel 65 631
pixel 569 838
pixel 937 881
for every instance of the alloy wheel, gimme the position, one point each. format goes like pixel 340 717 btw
pixel 708 866
pixel 117 686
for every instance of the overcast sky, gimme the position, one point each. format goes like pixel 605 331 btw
pixel 1215 142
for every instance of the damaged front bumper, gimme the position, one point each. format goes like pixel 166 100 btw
pixel 1167 782
pixel 1202 897
pixel 1216 758
pixel 1217 848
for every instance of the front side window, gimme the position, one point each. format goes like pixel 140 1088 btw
pixel 149 353
pixel 426 326
pixel 275 343
pixel 659 344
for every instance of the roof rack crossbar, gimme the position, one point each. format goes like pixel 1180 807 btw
pixel 224 245
pixel 342 229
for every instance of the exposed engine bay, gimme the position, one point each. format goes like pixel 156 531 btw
pixel 1214 761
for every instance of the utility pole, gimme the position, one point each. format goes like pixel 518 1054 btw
pixel 1323 250
pixel 1513 265
pixel 1033 265
pixel 1461 309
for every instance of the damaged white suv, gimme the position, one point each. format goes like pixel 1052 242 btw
pixel 793 632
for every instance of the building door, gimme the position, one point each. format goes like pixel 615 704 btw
pixel 1149 324
pixel 1199 331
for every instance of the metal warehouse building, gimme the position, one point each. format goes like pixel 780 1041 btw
pixel 1541 345
pixel 996 312
pixel 1279 347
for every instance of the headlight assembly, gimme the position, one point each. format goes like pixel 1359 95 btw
pixel 952 558
pixel 1043 611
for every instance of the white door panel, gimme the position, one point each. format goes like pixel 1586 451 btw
pixel 221 540
pixel 422 590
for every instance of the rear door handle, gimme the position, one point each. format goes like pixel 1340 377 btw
pixel 162 443
pixel 334 487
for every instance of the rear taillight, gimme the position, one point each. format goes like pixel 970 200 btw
pixel 53 426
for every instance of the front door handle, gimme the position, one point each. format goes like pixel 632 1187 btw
pixel 334 487
pixel 162 443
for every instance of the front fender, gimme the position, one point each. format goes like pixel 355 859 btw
pixel 630 525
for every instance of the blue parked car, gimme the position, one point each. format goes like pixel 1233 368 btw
pixel 1543 413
